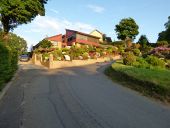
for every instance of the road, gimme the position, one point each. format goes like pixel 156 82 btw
pixel 79 97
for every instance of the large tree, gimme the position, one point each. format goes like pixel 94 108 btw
pixel 165 35
pixel 127 28
pixel 17 12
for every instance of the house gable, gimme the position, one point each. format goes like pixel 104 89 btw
pixel 98 34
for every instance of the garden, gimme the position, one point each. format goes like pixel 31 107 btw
pixel 75 52
pixel 144 68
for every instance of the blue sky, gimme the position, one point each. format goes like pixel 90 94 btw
pixel 83 15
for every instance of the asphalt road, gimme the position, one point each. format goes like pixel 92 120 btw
pixel 79 97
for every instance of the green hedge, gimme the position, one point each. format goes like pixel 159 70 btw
pixel 152 82
pixel 8 63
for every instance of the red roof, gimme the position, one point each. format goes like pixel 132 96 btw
pixel 55 38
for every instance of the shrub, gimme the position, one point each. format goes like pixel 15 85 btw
pixel 161 43
pixel 45 56
pixel 129 58
pixel 141 63
pixel 136 52
pixel 155 61
pixel 8 63
pixel 85 56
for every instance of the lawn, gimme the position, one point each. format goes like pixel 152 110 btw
pixel 153 82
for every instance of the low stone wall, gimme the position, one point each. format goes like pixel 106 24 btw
pixel 75 63
pixel 62 64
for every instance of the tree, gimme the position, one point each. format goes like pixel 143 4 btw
pixel 167 24
pixel 17 12
pixel 143 41
pixel 17 43
pixel 45 44
pixel 165 35
pixel 127 28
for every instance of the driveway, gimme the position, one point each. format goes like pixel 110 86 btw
pixel 79 97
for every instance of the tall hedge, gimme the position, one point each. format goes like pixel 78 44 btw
pixel 8 63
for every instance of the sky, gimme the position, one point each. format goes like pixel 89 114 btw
pixel 103 15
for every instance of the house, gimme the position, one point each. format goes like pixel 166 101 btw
pixel 57 40
pixel 72 37
pixel 103 37
pixel 78 38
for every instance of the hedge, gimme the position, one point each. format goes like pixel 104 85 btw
pixel 8 63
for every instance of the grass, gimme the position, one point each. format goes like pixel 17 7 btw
pixel 151 82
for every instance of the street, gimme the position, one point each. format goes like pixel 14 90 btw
pixel 78 97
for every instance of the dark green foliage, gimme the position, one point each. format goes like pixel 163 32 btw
pixel 45 44
pixel 164 35
pixel 129 58
pixel 127 28
pixel 8 63
pixel 151 82
pixel 167 24
pixel 155 61
pixel 17 12
pixel 143 41
pixel 162 43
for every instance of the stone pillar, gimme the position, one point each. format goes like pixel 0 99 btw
pixel 41 59
pixel 34 58
pixel 51 61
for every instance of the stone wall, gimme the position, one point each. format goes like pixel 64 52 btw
pixel 62 64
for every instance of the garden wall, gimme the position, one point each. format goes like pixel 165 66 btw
pixel 63 64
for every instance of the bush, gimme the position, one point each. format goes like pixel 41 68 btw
pixel 136 52
pixel 141 63
pixel 8 63
pixel 155 61
pixel 162 43
pixel 85 56
pixel 129 58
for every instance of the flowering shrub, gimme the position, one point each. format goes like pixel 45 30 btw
pixel 161 52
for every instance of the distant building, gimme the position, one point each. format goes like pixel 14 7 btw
pixel 56 40
pixel 75 37
pixel 103 37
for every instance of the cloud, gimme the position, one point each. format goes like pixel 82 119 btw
pixel 43 26
pixel 48 24
pixel 55 11
pixel 95 8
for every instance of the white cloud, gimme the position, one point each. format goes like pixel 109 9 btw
pixel 47 24
pixel 95 8
pixel 55 11
pixel 43 26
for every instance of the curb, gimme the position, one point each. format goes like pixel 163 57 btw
pixel 8 85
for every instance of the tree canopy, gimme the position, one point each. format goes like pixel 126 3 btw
pixel 17 12
pixel 167 24
pixel 45 44
pixel 143 41
pixel 127 28
pixel 165 35
pixel 15 42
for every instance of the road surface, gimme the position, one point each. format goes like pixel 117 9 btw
pixel 79 97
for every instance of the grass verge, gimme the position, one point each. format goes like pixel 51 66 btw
pixel 150 82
